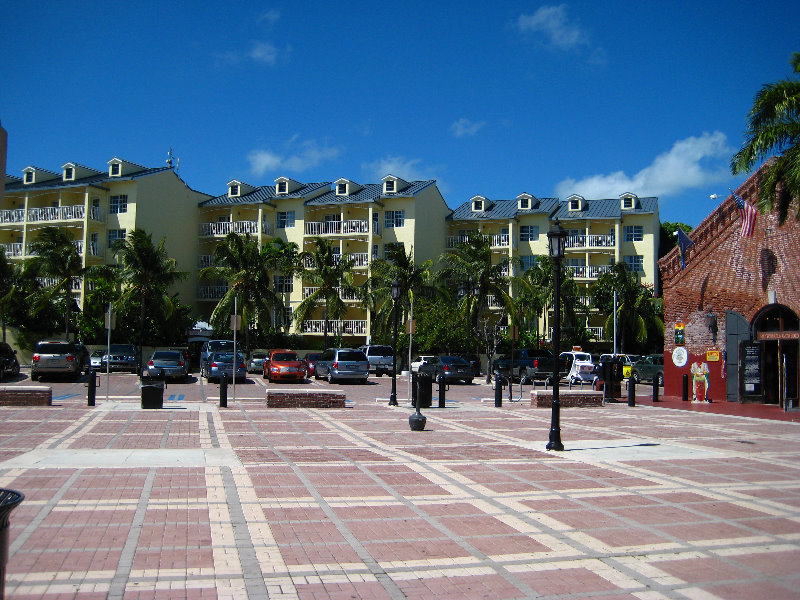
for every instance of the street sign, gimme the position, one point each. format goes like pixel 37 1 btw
pixel 236 322
pixel 411 326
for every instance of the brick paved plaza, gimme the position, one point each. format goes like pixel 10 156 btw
pixel 197 501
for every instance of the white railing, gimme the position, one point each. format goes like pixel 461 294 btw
pixel 348 327
pixel 211 292
pixel 597 332
pixel 78 246
pixel 205 260
pixel 16 215
pixel 12 250
pixel 499 240
pixel 75 284
pixel 347 296
pixel 589 271
pixel 360 259
pixel 57 213
pixel 496 240
pixel 323 227
pixel 493 301
pixel 221 228
pixel 456 240
pixel 355 226
pixel 590 241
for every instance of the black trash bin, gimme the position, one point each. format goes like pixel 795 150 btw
pixel 9 500
pixel 152 392
pixel 424 389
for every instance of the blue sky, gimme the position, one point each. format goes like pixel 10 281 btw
pixel 490 98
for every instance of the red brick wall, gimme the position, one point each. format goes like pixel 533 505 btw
pixel 20 395
pixel 726 272
pixel 308 398
pixel 566 398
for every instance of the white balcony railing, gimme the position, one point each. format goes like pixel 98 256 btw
pixel 211 292
pixel 205 260
pixel 597 332
pixel 589 271
pixel 347 296
pixel 12 250
pixel 496 240
pixel 494 302
pixel 16 215
pixel 57 213
pixel 348 327
pixel 499 240
pixel 590 241
pixel 222 228
pixel 75 284
pixel 337 227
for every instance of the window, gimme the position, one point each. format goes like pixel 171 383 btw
pixel 114 235
pixel 524 203
pixel 283 187
pixel 389 246
pixel 528 261
pixel 28 176
pixel 375 251
pixel 394 218
pixel 635 263
pixel 285 219
pixel 633 233
pixel 234 190
pixel 528 233
pixel 115 169
pixel 477 205
pixel 69 174
pixel 389 185
pixel 574 204
pixel 283 284
pixel 341 189
pixel 627 202
pixel 118 204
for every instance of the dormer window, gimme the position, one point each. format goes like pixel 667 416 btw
pixel 69 174
pixel 29 177
pixel 477 205
pixel 394 185
pixel 389 186
pixel 341 189
pixel 627 203
pixel 115 169
pixel 282 187
pixel 576 203
pixel 233 191
pixel 524 203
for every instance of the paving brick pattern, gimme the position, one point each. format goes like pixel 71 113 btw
pixel 646 502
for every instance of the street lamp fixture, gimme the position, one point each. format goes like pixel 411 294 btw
pixel 395 298
pixel 557 242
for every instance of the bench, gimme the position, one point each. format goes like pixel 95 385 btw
pixel 305 398
pixel 26 395
pixel 566 398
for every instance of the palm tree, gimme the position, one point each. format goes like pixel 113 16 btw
pixel 636 307
pixel 331 275
pixel 57 258
pixel 146 273
pixel 469 268
pixel 7 289
pixel 246 268
pixel 773 127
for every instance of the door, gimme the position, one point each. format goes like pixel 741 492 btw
pixel 737 330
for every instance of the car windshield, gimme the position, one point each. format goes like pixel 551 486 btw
pixel 55 348
pixel 166 355
pixel 452 360
pixel 259 355
pixel 381 351
pixel 285 356
pixel 352 355
pixel 225 357
pixel 121 349
pixel 218 345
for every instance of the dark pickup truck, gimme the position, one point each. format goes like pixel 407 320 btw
pixel 528 362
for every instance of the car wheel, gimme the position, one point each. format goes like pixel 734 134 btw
pixel 2 372
pixel 316 377
pixel 468 381
pixel 15 369
pixel 34 376
pixel 263 375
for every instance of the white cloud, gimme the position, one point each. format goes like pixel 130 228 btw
pixel 410 169
pixel 682 167
pixel 464 127
pixel 263 52
pixel 270 16
pixel 560 32
pixel 299 157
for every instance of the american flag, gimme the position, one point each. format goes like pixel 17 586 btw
pixel 748 213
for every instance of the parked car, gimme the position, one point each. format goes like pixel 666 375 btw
pixel 284 365
pixel 381 358
pixel 626 361
pixel 648 368
pixel 448 368
pixel 256 362
pixel 580 366
pixel 475 362
pixel 212 346
pixel 96 359
pixel 218 363
pixel 169 363
pixel 9 365
pixel 311 362
pixel 55 357
pixel 420 360
pixel 533 363
pixel 342 363
pixel 120 357
pixel 185 353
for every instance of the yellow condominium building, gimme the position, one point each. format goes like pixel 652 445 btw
pixel 100 206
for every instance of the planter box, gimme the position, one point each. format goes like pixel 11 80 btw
pixel 307 398
pixel 26 395
pixel 566 398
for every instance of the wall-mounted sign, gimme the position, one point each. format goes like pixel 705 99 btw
pixel 680 337
pixel 680 356
pixel 778 335
pixel 751 368
pixel 712 355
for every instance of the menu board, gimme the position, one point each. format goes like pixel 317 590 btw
pixel 751 368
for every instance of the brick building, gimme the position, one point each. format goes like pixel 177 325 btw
pixel 735 306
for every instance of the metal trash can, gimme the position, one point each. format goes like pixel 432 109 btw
pixel 152 392
pixel 9 500
pixel 424 388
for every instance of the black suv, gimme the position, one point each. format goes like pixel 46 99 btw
pixel 9 365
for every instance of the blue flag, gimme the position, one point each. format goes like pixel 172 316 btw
pixel 683 245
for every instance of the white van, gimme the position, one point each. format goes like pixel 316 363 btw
pixel 580 366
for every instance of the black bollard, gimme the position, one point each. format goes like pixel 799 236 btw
pixel 442 388
pixel 417 421
pixel 685 388
pixel 91 382
pixel 655 389
pixel 631 392
pixel 223 390
pixel 498 390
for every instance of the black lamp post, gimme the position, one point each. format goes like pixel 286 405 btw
pixel 395 298
pixel 557 241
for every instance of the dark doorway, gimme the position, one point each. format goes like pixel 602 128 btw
pixel 737 330
pixel 770 375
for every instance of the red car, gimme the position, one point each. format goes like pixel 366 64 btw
pixel 284 365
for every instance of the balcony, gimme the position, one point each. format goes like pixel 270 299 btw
pixel 588 271
pixel 360 260
pixel 350 296
pixel 12 250
pixel 223 228
pixel 597 332
pixel 211 292
pixel 205 261
pixel 349 327
pixel 590 241
pixel 337 227
pixel 75 212
pixel 496 240
pixel 499 240
pixel 47 282
pixel 16 215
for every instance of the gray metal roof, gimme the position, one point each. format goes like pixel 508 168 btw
pixel 502 209
pixel 92 180
pixel 371 192
pixel 607 208
pixel 263 194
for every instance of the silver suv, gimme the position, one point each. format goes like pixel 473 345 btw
pixel 381 359
pixel 342 363
pixel 56 358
